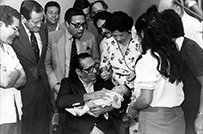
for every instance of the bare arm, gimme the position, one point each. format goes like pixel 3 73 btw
pixel 21 80
pixel 199 118
pixel 9 78
pixel 144 100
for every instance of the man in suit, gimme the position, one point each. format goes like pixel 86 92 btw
pixel 79 88
pixel 59 49
pixel 30 48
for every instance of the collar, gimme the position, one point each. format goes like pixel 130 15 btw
pixel 26 30
pixel 179 42
pixel 84 83
pixel 67 34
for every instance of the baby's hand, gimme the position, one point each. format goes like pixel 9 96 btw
pixel 91 104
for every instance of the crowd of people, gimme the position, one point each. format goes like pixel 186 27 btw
pixel 101 72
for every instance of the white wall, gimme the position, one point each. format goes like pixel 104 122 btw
pixel 133 7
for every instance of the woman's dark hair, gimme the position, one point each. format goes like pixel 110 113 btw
pixel 156 36
pixel 119 21
pixel 174 22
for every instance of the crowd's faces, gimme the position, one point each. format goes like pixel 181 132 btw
pixel 96 8
pixel 52 15
pixel 35 21
pixel 89 70
pixel 77 26
pixel 10 31
pixel 102 30
pixel 121 37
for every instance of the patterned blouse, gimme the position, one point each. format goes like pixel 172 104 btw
pixel 122 64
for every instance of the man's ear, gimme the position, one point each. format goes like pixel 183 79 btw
pixel 67 24
pixel 178 10
pixel 23 19
pixel 78 72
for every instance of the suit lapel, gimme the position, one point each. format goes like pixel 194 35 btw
pixel 43 39
pixel 61 45
pixel 78 85
pixel 24 39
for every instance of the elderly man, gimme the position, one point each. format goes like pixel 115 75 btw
pixel 78 89
pixel 12 75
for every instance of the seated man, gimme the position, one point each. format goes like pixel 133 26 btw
pixel 114 99
pixel 79 88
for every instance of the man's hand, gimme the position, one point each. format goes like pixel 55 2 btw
pixel 100 110
pixel 199 124
pixel 105 74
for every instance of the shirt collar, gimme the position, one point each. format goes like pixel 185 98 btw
pixel 179 42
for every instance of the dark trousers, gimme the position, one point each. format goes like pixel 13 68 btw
pixel 36 116
pixel 190 116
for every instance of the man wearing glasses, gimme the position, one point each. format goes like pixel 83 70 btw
pixel 60 50
pixel 12 75
pixel 30 48
pixel 80 88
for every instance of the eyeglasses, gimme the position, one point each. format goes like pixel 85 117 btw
pixel 91 68
pixel 78 25
pixel 16 29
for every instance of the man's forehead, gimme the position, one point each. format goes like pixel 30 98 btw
pixel 87 62
pixel 97 6
pixel 78 18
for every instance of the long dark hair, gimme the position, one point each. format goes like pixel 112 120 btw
pixel 156 36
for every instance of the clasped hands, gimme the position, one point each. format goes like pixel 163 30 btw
pixel 96 110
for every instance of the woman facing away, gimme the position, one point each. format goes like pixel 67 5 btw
pixel 159 88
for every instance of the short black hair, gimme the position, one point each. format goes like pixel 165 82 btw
pixel 7 13
pixel 81 4
pixel 103 15
pixel 72 12
pixel 28 6
pixel 174 22
pixel 50 4
pixel 119 21
pixel 78 58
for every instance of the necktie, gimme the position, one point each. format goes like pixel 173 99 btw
pixel 73 54
pixel 34 46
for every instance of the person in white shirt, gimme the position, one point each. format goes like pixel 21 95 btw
pixel 158 82
pixel 52 11
pixel 12 75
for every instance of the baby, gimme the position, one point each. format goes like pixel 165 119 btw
pixel 116 96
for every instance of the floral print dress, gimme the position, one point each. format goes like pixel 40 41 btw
pixel 122 64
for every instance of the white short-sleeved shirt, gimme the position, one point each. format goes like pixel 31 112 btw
pixel 165 93
pixel 9 96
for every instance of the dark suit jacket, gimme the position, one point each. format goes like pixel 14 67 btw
pixel 33 70
pixel 70 95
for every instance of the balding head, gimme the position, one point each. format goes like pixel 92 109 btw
pixel 171 4
pixel 165 4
